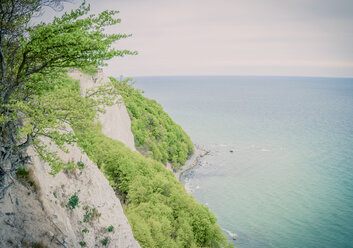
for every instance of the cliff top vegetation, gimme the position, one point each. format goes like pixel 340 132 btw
pixel 32 59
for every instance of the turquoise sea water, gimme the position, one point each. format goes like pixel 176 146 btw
pixel 289 181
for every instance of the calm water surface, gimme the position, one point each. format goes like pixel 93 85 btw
pixel 289 181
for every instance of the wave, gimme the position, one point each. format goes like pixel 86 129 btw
pixel 234 236
pixel 264 150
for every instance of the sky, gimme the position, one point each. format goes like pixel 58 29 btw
pixel 232 37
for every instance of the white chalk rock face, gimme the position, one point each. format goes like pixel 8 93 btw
pixel 93 192
pixel 116 123
pixel 46 217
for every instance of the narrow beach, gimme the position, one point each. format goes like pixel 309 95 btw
pixel 191 162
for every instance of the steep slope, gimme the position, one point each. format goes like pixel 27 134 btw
pixel 157 206
pixel 23 223
pixel 77 207
pixel 156 134
pixel 42 215
pixel 47 216
pixel 116 122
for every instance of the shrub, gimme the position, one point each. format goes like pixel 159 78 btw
pixel 69 167
pixel 104 241
pixel 23 175
pixel 91 214
pixel 73 202
pixel 82 243
pixel 80 165
pixel 110 229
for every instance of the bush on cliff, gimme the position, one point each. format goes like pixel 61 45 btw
pixel 153 129
pixel 157 206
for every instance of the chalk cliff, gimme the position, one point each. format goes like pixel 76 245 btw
pixel 41 215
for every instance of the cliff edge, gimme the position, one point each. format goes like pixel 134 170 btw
pixel 116 123
pixel 75 208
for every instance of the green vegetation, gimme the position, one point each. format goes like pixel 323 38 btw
pixel 89 70
pixel 110 228
pixel 37 99
pixel 85 230
pixel 23 175
pixel 104 241
pixel 73 202
pixel 157 206
pixel 153 129
pixel 91 214
pixel 82 243
pixel 32 61
pixel 68 167
pixel 80 165
pixel 36 245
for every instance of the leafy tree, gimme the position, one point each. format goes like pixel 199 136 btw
pixel 32 62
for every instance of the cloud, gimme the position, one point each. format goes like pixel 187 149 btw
pixel 255 37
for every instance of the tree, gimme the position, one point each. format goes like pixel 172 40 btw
pixel 32 62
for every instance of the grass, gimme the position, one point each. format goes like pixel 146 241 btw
pixel 24 176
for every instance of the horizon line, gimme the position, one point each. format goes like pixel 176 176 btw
pixel 205 75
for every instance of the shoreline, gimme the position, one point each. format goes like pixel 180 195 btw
pixel 191 162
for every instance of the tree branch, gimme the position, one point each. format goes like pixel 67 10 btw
pixel 26 144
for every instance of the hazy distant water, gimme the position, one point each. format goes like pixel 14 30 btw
pixel 289 181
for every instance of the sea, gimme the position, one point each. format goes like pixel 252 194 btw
pixel 279 172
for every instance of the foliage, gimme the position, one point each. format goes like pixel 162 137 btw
pixel 153 129
pixel 83 243
pixel 22 173
pixel 80 165
pixel 32 62
pixel 24 176
pixel 104 241
pixel 38 100
pixel 73 202
pixel 110 228
pixel 91 214
pixel 36 245
pixel 90 70
pixel 85 230
pixel 157 206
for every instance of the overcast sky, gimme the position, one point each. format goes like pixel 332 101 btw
pixel 233 37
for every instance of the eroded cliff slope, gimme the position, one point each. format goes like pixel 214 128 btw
pixel 74 208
